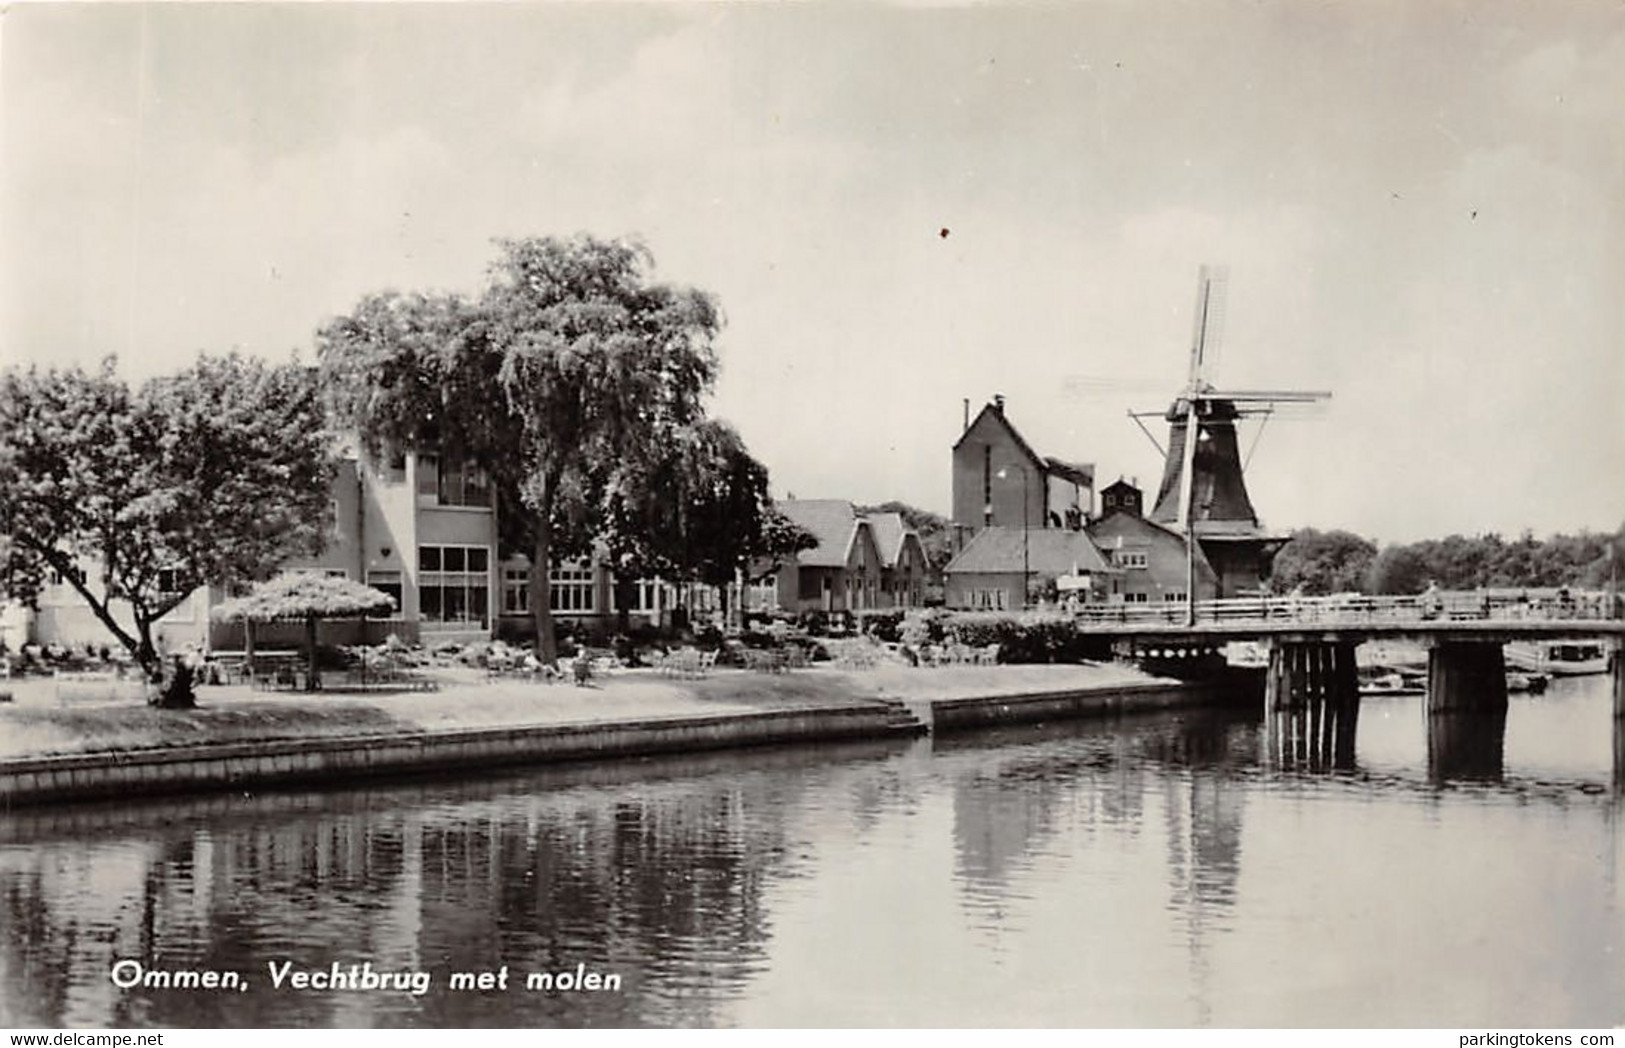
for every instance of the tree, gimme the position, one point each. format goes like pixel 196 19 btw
pixel 1322 562
pixel 721 521
pixel 215 474
pixel 564 380
pixel 1397 569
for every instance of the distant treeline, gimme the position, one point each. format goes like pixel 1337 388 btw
pixel 1321 562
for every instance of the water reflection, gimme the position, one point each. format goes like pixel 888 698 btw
pixel 1619 756
pixel 662 886
pixel 1164 870
pixel 1467 746
pixel 1317 736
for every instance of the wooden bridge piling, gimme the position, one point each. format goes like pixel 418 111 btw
pixel 1303 673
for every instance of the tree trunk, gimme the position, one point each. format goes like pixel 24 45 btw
pixel 626 594
pixel 248 647
pixel 146 653
pixel 541 609
pixel 312 673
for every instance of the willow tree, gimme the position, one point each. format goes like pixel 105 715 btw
pixel 698 510
pixel 570 363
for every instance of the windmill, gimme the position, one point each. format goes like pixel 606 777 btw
pixel 1203 493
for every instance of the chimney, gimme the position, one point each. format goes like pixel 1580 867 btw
pixel 967 416
pixel 998 402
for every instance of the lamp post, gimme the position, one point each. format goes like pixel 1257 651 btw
pixel 1025 571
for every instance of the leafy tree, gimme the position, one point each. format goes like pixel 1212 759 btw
pixel 215 474
pixel 1398 570
pixel 1322 562
pixel 699 512
pixel 566 379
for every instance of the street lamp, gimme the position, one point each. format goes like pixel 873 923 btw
pixel 1004 474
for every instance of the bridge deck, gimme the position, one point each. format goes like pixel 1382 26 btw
pixel 1452 617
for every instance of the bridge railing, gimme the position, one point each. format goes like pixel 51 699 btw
pixel 1354 609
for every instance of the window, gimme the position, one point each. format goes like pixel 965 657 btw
pixel 169 580
pixel 987 483
pixel 570 589
pixel 764 593
pixel 1137 598
pixel 463 485
pixel 987 599
pixel 1126 558
pixel 1173 596
pixel 448 484
pixel 453 584
pixel 516 591
pixel 428 476
pixel 387 582
pixel 645 596
pixel 60 579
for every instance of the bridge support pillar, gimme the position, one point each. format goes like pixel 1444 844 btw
pixel 1302 673
pixel 1467 745
pixel 1467 677
pixel 1616 668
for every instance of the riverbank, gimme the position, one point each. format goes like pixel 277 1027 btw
pixel 56 745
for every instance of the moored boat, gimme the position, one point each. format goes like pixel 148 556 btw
pixel 1559 658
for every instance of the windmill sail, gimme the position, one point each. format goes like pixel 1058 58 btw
pixel 1203 491
pixel 1208 323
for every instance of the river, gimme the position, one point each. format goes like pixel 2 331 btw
pixel 1166 870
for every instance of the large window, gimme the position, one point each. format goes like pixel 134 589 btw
pixel 987 599
pixel 645 596
pixel 570 589
pixel 1126 558
pixel 453 584
pixel 451 484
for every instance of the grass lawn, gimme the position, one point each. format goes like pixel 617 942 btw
pixel 46 718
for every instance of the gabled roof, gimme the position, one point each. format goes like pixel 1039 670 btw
pixel 833 522
pixel 1120 484
pixel 1082 473
pixel 890 532
pixel 998 415
pixel 1048 551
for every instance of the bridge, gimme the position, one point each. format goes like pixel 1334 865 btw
pixel 1311 641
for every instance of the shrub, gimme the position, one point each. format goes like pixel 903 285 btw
pixel 1022 637
pixel 881 623
pixel 822 623
pixel 922 626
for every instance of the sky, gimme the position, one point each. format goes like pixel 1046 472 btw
pixel 1421 206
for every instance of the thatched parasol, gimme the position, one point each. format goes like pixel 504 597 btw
pixel 308 596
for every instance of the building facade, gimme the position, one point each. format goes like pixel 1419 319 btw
pixel 1007 569
pixel 860 562
pixel 1152 559
pixel 411 525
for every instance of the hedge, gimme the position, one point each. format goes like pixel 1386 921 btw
pixel 1030 636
